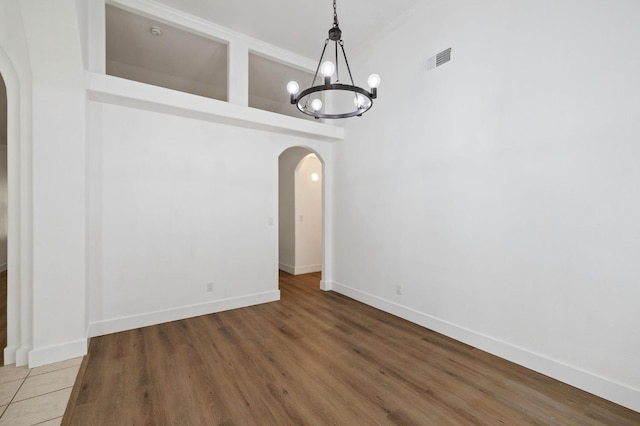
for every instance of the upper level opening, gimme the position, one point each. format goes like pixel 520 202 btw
pixel 268 85
pixel 148 51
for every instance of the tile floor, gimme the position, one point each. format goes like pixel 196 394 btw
pixel 36 396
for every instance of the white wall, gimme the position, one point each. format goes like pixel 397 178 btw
pixel 3 112
pixel 3 206
pixel 16 73
pixel 500 190
pixel 179 203
pixel 58 114
pixel 3 176
pixel 144 207
pixel 308 216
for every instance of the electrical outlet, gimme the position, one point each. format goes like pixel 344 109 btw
pixel 209 287
pixel 398 289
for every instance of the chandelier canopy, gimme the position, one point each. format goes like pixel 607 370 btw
pixel 310 101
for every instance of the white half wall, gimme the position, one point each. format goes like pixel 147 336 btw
pixel 499 191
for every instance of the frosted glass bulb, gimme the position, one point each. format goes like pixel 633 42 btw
pixel 374 81
pixel 316 104
pixel 359 101
pixel 293 88
pixel 327 68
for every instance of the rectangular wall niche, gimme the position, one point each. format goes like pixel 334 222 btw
pixel 174 59
pixel 268 85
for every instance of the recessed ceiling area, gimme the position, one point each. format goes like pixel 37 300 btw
pixel 176 59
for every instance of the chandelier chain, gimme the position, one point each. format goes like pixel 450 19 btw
pixel 335 15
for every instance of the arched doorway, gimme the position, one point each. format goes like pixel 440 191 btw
pixel 19 243
pixel 300 205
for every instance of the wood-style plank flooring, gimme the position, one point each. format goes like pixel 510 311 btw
pixel 314 358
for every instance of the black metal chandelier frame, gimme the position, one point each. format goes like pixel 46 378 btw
pixel 302 99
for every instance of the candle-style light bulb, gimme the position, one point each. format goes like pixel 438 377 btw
pixel 327 68
pixel 374 81
pixel 293 88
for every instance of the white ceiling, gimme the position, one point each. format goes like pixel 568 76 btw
pixel 299 26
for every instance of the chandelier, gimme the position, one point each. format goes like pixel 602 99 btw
pixel 309 101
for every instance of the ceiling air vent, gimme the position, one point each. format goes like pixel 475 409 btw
pixel 443 57
pixel 435 61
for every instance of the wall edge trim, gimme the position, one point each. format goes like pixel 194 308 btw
pixel 44 355
pixel 307 269
pixel 287 268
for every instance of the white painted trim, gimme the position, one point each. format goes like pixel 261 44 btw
pixel 96 21
pixel 3 267
pixel 120 91
pixel 22 356
pixel 597 385
pixel 238 74
pixel 299 270
pixel 56 353
pixel 287 268
pixel 174 314
pixel 20 218
pixel 327 220
pixel 326 285
pixel 307 269
pixel 10 355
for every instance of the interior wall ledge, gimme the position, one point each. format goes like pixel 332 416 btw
pixel 120 91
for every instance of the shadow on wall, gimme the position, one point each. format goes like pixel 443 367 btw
pixel 300 211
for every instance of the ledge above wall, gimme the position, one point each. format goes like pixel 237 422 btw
pixel 119 91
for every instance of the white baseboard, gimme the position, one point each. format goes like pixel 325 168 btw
pixel 299 270
pixel 326 285
pixel 55 353
pixel 22 356
pixel 287 268
pixel 10 355
pixel 613 391
pixel 174 314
